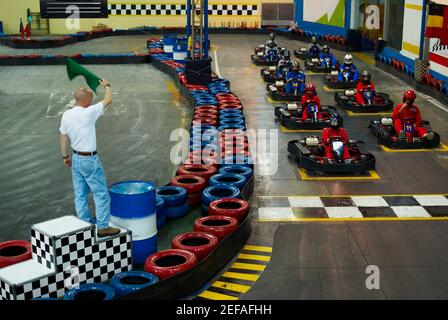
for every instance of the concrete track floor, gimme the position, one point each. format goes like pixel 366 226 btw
pixel 133 140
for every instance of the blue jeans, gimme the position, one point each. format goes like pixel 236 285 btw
pixel 88 174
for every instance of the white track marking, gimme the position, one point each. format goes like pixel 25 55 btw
pixel 434 102
pixel 215 55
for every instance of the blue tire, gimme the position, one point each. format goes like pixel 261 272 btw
pixel 233 127
pixel 229 111
pixel 219 191
pixel 231 117
pixel 91 292
pixel 161 221
pixel 179 211
pixel 161 212
pixel 232 122
pixel 237 169
pixel 232 179
pixel 130 281
pixel 173 196
pixel 239 160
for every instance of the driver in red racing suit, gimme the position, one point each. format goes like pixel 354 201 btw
pixel 310 97
pixel 334 131
pixel 364 84
pixel 407 111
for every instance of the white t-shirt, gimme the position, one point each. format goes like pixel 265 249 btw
pixel 78 124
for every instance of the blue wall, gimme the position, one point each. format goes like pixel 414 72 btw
pixel 322 28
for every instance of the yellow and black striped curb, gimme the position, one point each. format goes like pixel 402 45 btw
pixel 240 276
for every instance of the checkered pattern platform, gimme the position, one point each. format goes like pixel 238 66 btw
pixel 416 206
pixel 181 9
pixel 63 259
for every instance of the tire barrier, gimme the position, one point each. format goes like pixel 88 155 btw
pixel 168 263
pixel 173 196
pixel 232 126
pixel 193 184
pixel 219 191
pixel 201 170
pixel 130 281
pixel 133 207
pixel 206 121
pixel 219 226
pixel 161 212
pixel 235 208
pixel 175 212
pixel 198 243
pixel 234 146
pixel 237 169
pixel 232 179
pixel 91 292
pixel 14 251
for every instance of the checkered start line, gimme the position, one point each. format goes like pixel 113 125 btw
pixel 309 207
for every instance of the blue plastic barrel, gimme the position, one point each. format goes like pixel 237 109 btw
pixel 169 41
pixel 133 207
pixel 180 50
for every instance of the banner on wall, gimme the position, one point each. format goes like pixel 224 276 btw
pixel 328 12
pixel 438 53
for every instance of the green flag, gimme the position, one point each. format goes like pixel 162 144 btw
pixel 74 69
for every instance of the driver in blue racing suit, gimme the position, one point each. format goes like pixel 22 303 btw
pixel 327 55
pixel 349 67
pixel 271 51
pixel 313 50
pixel 282 69
pixel 293 76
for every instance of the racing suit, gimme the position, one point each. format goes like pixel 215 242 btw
pixel 306 100
pixel 403 113
pixel 274 51
pixel 354 74
pixel 359 97
pixel 281 72
pixel 291 77
pixel 324 56
pixel 328 134
pixel 313 50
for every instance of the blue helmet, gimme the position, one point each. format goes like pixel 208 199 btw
pixel 335 120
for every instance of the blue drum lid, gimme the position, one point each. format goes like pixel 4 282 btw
pixel 132 187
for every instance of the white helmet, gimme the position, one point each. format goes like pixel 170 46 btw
pixel 348 59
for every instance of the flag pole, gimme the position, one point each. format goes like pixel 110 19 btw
pixel 424 42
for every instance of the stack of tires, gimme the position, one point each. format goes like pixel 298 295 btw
pixel 175 201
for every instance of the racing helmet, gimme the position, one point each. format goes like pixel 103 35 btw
pixel 409 96
pixel 314 40
pixel 326 49
pixel 295 66
pixel 272 36
pixel 335 121
pixel 281 63
pixel 348 59
pixel 366 77
pixel 287 55
pixel 310 89
pixel 271 44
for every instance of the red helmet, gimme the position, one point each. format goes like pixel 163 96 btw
pixel 409 96
pixel 310 89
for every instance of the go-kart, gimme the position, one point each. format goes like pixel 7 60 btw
pixel 271 59
pixel 304 54
pixel 386 135
pixel 262 48
pixel 269 74
pixel 374 102
pixel 310 154
pixel 277 92
pixel 290 116
pixel 331 80
pixel 315 65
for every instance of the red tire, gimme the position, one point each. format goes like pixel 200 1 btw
pixel 193 184
pixel 225 95
pixel 195 199
pixel 231 107
pixel 166 264
pixel 205 108
pixel 200 170
pixel 14 251
pixel 204 116
pixel 229 100
pixel 229 207
pixel 203 121
pixel 238 153
pixel 201 244
pixel 220 226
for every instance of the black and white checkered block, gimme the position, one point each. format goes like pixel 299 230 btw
pixel 233 10
pixel 148 9
pixel 390 206
pixel 65 253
